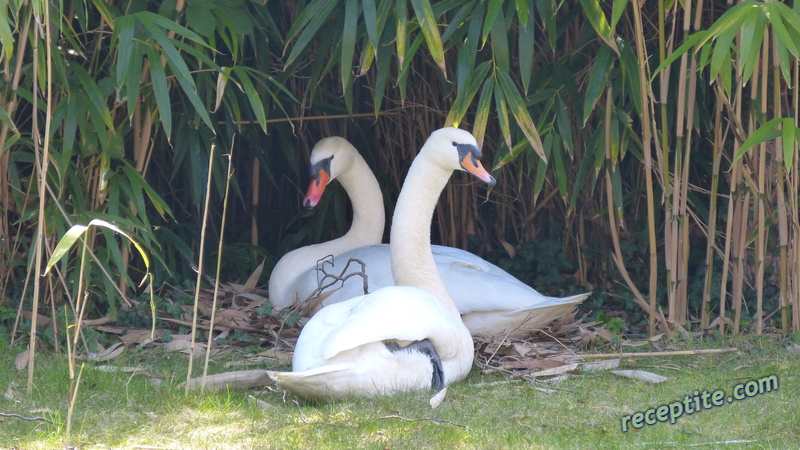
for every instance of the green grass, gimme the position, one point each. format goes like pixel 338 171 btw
pixel 118 410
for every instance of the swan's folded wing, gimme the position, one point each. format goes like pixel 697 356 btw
pixel 399 313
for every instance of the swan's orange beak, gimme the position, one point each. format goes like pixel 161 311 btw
pixel 316 188
pixel 472 165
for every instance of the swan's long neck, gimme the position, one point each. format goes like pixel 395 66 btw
pixel 410 239
pixel 369 217
pixel 369 220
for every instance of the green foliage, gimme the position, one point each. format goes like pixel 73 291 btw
pixel 612 324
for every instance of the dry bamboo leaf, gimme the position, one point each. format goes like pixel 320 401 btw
pixel 586 338
pixel 604 364
pixel 260 403
pixel 248 301
pixel 641 375
pixel 523 348
pixel 97 322
pixel 113 369
pixel 437 399
pixel 41 321
pixel 554 371
pixel 250 285
pixel 545 390
pixel 509 248
pixel 22 359
pixel 607 335
pixel 636 344
pixel 11 394
pixel 105 355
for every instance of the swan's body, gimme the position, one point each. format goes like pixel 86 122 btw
pixel 399 338
pixel 491 301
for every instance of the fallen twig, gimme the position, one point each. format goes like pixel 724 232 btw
pixel 31 419
pixel 429 419
pixel 671 353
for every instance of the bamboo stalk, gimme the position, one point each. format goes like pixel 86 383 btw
pixel 780 180
pixel 712 217
pixel 711 351
pixel 644 92
pixel 762 169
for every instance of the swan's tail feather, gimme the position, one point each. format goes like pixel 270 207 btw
pixel 555 302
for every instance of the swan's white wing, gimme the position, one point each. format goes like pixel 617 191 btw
pixel 475 284
pixel 398 312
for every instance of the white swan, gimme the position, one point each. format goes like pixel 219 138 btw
pixel 492 302
pixel 404 337
pixel 332 157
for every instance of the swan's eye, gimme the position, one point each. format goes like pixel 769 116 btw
pixel 455 144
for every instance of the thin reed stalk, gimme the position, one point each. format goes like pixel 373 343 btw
pixel 200 258
pixel 219 267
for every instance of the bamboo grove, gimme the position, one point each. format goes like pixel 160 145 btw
pixel 656 141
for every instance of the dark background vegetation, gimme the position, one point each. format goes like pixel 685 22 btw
pixel 134 95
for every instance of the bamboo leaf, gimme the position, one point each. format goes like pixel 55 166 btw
pixel 560 168
pixel 134 177
pixel 693 40
pixel 752 36
pixel 382 77
pixel 319 11
pixel 351 14
pixel 6 37
pixel 468 51
pixel 93 93
pixel 483 110
pixel 133 75
pixel 111 226
pixel 179 70
pixel 789 134
pixel 722 50
pixel 500 43
pixel 371 23
pixel 502 120
pixel 252 96
pixel 464 98
pixel 458 20
pixel 599 22
pixel 427 24
pixel 764 133
pixel 617 10
pixel 597 81
pixel 583 170
pixel 123 33
pixel 6 119
pixel 401 41
pixel 65 244
pixel 520 113
pixel 495 7
pixel 171 25
pixel 160 90
pixel 776 20
pixel 524 12
pixel 526 45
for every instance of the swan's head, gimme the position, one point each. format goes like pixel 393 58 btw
pixel 456 149
pixel 330 157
